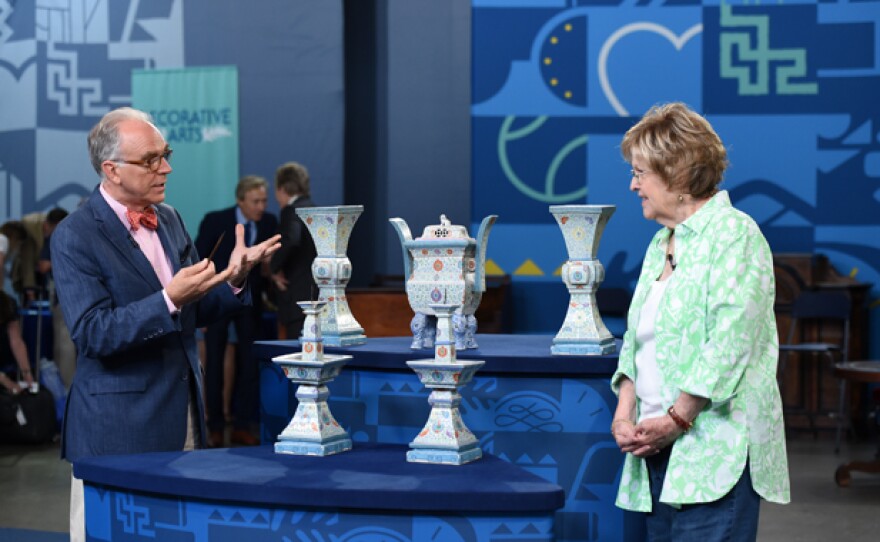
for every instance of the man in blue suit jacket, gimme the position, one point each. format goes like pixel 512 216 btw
pixel 251 195
pixel 133 290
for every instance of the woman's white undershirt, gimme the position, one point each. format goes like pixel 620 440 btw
pixel 648 379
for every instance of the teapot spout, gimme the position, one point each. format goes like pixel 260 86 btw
pixel 405 235
pixel 482 240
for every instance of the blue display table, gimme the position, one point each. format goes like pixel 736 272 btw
pixel 547 414
pixel 368 494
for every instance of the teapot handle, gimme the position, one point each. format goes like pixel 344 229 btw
pixel 482 240
pixel 405 235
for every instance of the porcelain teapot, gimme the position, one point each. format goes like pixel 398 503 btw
pixel 444 265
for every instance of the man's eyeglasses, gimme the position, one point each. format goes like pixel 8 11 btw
pixel 153 164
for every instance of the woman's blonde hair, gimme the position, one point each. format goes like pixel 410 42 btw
pixel 681 147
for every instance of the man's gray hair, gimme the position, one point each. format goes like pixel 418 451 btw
pixel 248 183
pixel 104 136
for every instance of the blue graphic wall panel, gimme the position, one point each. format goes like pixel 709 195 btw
pixel 64 64
pixel 791 89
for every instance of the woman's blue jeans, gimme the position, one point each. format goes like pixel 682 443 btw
pixel 732 518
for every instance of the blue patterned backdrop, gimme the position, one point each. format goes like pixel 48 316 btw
pixel 555 83
pixel 64 63
pixel 790 87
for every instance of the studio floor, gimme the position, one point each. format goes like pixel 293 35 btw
pixel 35 485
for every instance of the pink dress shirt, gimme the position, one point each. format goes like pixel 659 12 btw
pixel 150 245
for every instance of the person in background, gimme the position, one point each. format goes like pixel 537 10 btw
pixel 63 349
pixel 14 364
pixel 230 366
pixel 228 376
pixel 133 290
pixel 53 217
pixel 251 196
pixel 4 250
pixel 21 262
pixel 35 227
pixel 699 413
pixel 291 266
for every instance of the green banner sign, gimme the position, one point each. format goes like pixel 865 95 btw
pixel 197 111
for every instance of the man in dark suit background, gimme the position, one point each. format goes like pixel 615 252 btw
pixel 250 211
pixel 133 290
pixel 291 266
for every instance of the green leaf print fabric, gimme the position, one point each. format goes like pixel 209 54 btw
pixel 716 338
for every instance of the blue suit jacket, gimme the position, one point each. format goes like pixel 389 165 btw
pixel 135 360
pixel 294 259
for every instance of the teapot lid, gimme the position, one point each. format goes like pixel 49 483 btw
pixel 444 230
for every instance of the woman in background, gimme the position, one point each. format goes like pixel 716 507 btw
pixel 12 347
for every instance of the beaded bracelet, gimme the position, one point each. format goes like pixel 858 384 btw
pixel 679 421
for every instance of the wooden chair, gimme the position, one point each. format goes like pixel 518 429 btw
pixel 816 306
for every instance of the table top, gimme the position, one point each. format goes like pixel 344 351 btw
pixel 370 476
pixel 503 354
pixel 863 371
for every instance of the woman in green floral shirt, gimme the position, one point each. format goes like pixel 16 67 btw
pixel 699 413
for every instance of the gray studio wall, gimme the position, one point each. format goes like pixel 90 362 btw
pixel 408 122
pixel 290 66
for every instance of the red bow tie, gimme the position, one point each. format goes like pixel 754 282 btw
pixel 147 219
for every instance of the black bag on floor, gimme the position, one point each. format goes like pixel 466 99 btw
pixel 27 418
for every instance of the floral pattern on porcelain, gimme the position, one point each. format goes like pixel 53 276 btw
pixel 444 439
pixel 312 430
pixel 582 332
pixel 330 228
pixel 444 265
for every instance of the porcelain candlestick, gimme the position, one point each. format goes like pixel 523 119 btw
pixel 313 430
pixel 445 438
